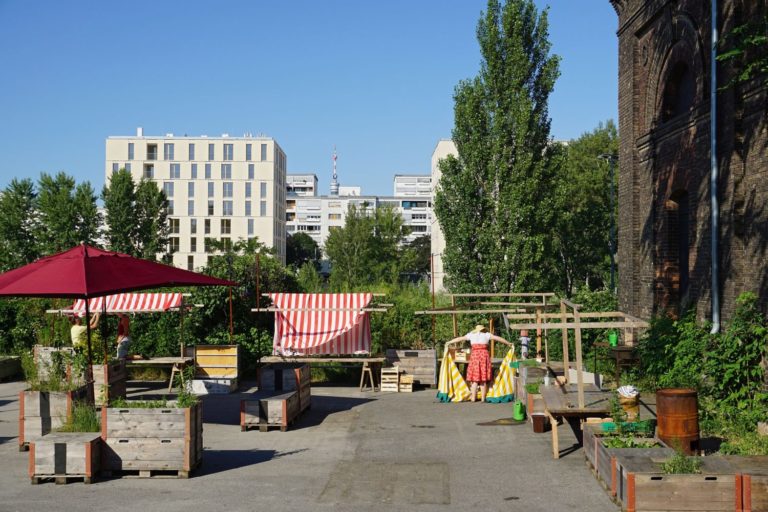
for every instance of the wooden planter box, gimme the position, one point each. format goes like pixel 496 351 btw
pixel 419 364
pixel 109 382
pixel 287 377
pixel 754 475
pixel 10 366
pixel 270 411
pixel 641 486
pixel 147 441
pixel 216 368
pixel 63 456
pixel 40 412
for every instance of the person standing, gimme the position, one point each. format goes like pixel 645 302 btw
pixel 123 335
pixel 479 371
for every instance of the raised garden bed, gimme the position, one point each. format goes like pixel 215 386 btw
pixel 109 381
pixel 148 440
pixel 10 366
pixel 754 475
pixel 41 412
pixel 642 486
pixel 267 411
pixel 419 364
pixel 65 456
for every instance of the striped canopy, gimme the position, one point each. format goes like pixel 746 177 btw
pixel 130 303
pixel 321 323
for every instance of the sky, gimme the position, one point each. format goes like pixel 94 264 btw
pixel 373 78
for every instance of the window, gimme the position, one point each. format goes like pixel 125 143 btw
pixel 210 151
pixel 210 188
pixel 190 262
pixel 228 152
pixel 193 244
pixel 251 172
pixel 210 207
pixel 334 216
pixel 247 208
pixel 207 171
pixel 419 216
pixel 418 229
pixel 168 188
pixel 226 208
pixel 250 226
pixel 115 167
pixel 226 171
pixel 207 227
pixel 190 207
pixel 227 189
pixel 151 151
pixel 128 167
pixel 263 152
pixel 247 190
pixel 226 243
pixel 170 207
pixel 263 208
pixel 191 151
pixel 226 226
pixel 191 189
pixel 407 205
pixel 290 204
pixel 207 243
pixel 263 189
pixel 175 171
pixel 248 151
pixel 130 151
pixel 168 151
pixel 193 172
pixel 289 216
pixel 334 204
pixel 193 226
pixel 174 225
pixel 174 244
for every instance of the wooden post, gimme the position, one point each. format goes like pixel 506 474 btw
pixel 579 376
pixel 566 363
pixel 453 316
pixel 546 338
pixel 432 279
pixel 493 343
pixel 538 331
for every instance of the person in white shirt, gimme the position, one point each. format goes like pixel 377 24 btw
pixel 479 370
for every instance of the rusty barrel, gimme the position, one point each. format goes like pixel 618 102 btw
pixel 677 417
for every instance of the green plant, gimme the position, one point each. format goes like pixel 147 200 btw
pixel 84 418
pixel 681 464
pixel 618 414
pixel 532 388
pixel 122 403
pixel 745 443
pixel 185 397
pixel 626 441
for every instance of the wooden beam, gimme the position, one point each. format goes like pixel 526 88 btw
pixel 579 371
pixel 572 325
pixel 566 362
pixel 522 294
pixel 283 310
pixel 453 318
pixel 464 311
pixel 571 305
pixel 594 314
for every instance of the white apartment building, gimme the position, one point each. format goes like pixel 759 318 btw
pixel 316 215
pixel 224 188
pixel 444 148
pixel 301 184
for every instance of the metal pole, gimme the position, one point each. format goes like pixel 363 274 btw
pixel 612 160
pixel 714 172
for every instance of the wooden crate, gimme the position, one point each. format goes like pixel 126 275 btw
pixel 406 384
pixel 216 361
pixel 420 364
pixel 641 486
pixel 41 412
pixel 153 439
pixel 284 377
pixel 754 474
pixel 270 411
pixel 109 381
pixel 305 398
pixel 63 456
pixel 390 379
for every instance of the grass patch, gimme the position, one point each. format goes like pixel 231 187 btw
pixel 681 464
pixel 745 443
pixel 122 403
pixel 84 418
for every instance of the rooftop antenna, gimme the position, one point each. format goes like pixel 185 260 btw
pixel 334 182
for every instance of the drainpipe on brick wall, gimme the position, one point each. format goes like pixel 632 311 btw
pixel 714 206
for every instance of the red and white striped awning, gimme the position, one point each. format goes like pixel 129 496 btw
pixel 321 323
pixel 130 303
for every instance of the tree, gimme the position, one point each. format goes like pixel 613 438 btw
pixel 88 219
pixel 136 216
pixel 583 220
pixel 301 248
pixel 494 201
pixel 415 256
pixel 745 49
pixel 309 279
pixel 18 204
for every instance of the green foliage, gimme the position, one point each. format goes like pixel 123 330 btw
pixel 18 223
pixel 494 202
pixel 63 373
pixel 300 249
pixel 309 279
pixel 627 441
pixel 122 403
pixel 532 388
pixel 744 48
pixel 84 418
pixel 119 198
pixel 415 257
pixel 681 464
pixel 185 397
pixel 745 443
pixel 68 214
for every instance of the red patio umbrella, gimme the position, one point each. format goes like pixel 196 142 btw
pixel 85 272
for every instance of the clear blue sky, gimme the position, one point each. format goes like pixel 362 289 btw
pixel 374 78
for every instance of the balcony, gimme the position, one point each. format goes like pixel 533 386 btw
pixel 151 151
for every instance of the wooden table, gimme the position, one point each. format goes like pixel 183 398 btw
pixel 371 366
pixel 561 402
pixel 176 364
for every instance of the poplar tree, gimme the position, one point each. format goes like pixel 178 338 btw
pixel 494 201
pixel 18 224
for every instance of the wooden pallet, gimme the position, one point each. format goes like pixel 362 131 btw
pixel 146 473
pixel 63 456
pixel 390 379
pixel 61 479
pixel 420 364
pixel 406 384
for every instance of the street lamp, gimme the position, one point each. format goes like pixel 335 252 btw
pixel 611 158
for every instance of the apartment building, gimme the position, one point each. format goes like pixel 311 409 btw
pixel 224 188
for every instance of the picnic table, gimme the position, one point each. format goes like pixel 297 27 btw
pixel 176 364
pixel 561 402
pixel 371 366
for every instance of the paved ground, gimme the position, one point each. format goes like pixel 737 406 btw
pixel 351 451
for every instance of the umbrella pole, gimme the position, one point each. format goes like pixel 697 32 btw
pixel 89 368
pixel 230 314
pixel 102 328
pixel 181 328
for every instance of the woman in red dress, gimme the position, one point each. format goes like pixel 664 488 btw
pixel 479 370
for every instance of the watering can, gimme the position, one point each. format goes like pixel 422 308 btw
pixel 518 411
pixel 613 338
